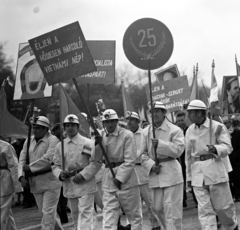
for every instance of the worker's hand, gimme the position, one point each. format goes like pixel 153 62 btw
pixel 117 183
pixel 154 142
pixel 26 168
pixel 78 179
pixel 189 184
pixel 63 176
pixel 24 182
pixel 156 168
pixel 212 149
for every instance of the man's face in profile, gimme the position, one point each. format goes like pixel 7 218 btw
pixel 234 91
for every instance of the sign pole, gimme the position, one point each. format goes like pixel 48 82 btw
pixel 93 126
pixel 61 134
pixel 151 101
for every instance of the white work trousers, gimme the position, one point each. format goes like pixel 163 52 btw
pixel 129 200
pixel 47 205
pixel 7 220
pixel 145 193
pixel 167 204
pixel 215 200
pixel 82 211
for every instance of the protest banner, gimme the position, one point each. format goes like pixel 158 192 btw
pixel 167 73
pixel 173 93
pixel 230 95
pixel 63 54
pixel 103 53
pixel 30 82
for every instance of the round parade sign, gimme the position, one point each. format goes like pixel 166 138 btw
pixel 148 43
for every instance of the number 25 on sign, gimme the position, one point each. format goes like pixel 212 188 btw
pixel 148 40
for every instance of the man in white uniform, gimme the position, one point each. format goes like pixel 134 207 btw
pixel 145 192
pixel 78 176
pixel 206 146
pixel 9 184
pixel 43 184
pixel 121 191
pixel 165 178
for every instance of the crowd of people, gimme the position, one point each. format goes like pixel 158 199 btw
pixel 119 167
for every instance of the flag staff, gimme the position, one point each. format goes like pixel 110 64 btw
pixel 61 125
pixel 210 129
pixel 93 126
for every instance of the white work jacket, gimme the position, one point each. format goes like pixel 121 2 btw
pixel 211 171
pixel 120 147
pixel 78 155
pixel 170 144
pixel 140 169
pixel 8 177
pixel 40 158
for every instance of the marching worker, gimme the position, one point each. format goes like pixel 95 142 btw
pixel 43 184
pixel 9 184
pixel 121 191
pixel 145 192
pixel 165 178
pixel 78 176
pixel 205 168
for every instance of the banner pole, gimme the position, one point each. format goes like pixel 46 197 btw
pixel 61 125
pixel 93 126
pixel 151 101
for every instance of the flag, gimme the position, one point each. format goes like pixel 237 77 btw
pixel 67 106
pixel 213 100
pixel 9 125
pixel 86 151
pixel 238 71
pixel 142 114
pixel 127 104
pixel 194 89
pixel 10 81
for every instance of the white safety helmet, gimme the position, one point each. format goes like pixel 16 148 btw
pixel 157 105
pixel 84 114
pixel 109 114
pixel 71 118
pixel 196 105
pixel 132 115
pixel 40 120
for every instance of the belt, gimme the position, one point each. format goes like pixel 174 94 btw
pixel 114 165
pixel 165 159
pixel 3 167
pixel 204 157
pixel 40 172
pixel 138 164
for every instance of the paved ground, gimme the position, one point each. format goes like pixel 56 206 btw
pixel 29 219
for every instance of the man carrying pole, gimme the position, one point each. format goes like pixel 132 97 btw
pixel 206 146
pixel 165 178
pixel 121 190
pixel 78 178
pixel 43 184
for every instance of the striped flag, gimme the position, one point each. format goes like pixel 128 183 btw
pixel 127 104
pixel 86 151
pixel 213 100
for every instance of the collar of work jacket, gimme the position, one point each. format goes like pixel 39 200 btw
pixel 164 126
pixel 74 140
pixel 139 131
pixel 206 124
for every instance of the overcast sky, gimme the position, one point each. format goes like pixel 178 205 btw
pixel 202 30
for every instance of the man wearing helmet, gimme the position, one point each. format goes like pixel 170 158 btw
pixel 145 192
pixel 121 191
pixel 78 176
pixel 205 168
pixel 165 178
pixel 43 184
